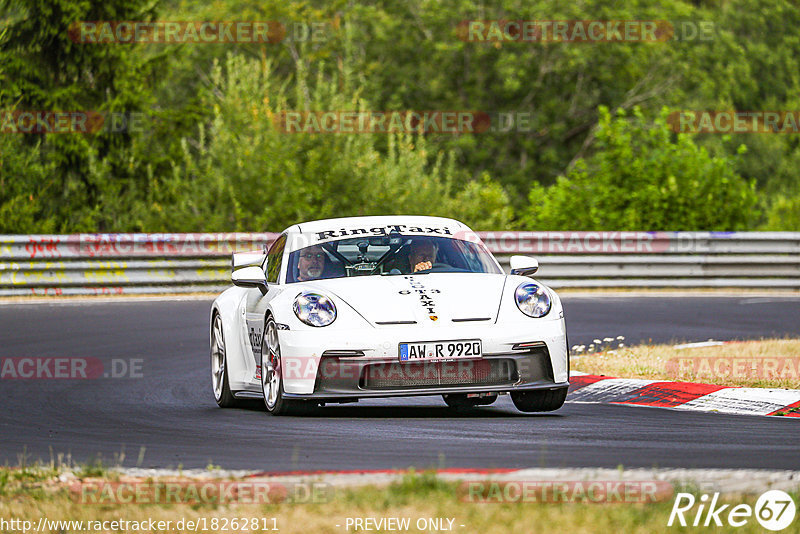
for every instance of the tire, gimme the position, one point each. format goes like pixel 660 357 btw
pixel 460 400
pixel 271 375
pixel 219 366
pixel 539 401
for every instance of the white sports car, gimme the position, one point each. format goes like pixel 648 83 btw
pixel 343 309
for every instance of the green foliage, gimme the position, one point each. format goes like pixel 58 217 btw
pixel 211 159
pixel 415 484
pixel 644 177
pixel 783 213
pixel 244 173
pixel 93 469
pixel 68 182
pixel 560 84
pixel 25 181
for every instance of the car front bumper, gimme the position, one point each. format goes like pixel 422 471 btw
pixel 343 365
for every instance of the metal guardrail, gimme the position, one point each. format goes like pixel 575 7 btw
pixel 180 263
pixel 115 264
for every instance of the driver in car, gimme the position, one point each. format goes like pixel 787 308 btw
pixel 311 263
pixel 422 255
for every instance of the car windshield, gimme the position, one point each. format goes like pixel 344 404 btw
pixel 389 255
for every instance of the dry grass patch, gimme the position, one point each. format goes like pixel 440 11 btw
pixel 769 363
pixel 30 496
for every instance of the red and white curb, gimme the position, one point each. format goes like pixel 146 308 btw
pixel 684 395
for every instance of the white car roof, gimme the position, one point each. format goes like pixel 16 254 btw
pixel 322 231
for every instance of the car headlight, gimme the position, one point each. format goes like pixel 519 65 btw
pixel 314 309
pixel 532 299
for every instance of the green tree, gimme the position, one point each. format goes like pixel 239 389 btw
pixel 244 173
pixel 644 177
pixel 90 177
pixel 386 56
pixel 783 212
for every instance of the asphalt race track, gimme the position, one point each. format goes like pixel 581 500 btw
pixel 169 413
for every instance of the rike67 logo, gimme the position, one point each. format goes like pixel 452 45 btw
pixel 774 510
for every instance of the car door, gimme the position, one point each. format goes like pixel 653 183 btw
pixel 255 305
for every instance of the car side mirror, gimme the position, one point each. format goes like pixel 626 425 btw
pixel 250 277
pixel 524 265
pixel 247 259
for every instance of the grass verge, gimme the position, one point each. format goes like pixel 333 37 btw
pixel 769 363
pixel 30 494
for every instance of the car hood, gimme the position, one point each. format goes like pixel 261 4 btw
pixel 430 299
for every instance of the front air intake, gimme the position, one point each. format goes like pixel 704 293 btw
pixel 432 374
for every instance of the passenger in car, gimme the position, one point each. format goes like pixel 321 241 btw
pixel 422 255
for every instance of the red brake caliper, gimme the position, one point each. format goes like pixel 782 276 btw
pixel 273 359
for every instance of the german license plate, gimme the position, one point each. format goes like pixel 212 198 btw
pixel 440 350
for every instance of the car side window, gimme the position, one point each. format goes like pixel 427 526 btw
pixel 274 257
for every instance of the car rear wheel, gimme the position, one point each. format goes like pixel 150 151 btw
pixel 540 401
pixel 219 366
pixel 272 374
pixel 460 400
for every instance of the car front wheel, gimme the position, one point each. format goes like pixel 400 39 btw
pixel 272 374
pixel 540 401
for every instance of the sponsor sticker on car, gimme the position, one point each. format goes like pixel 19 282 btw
pixel 440 350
